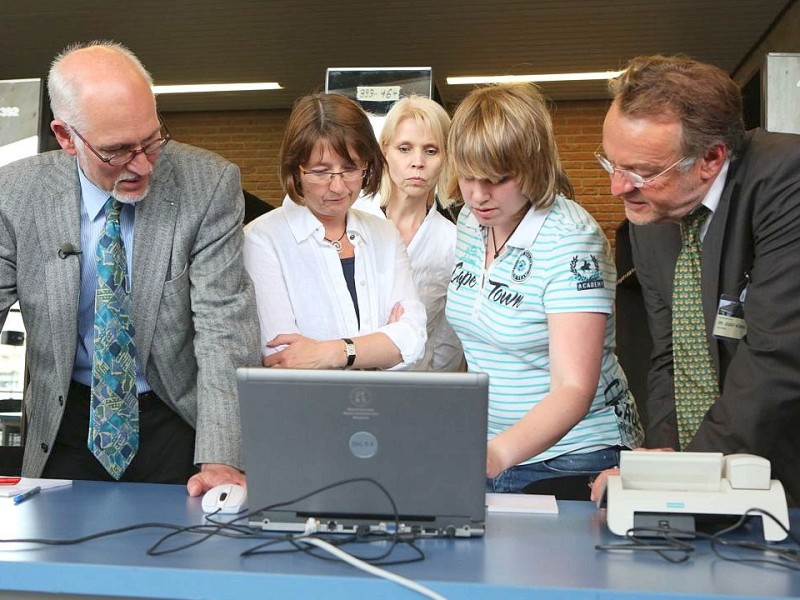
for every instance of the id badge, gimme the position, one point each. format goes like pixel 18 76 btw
pixel 729 323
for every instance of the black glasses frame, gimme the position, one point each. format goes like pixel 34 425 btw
pixel 119 158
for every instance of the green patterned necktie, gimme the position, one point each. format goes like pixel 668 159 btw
pixel 114 416
pixel 696 386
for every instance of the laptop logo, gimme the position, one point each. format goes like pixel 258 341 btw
pixel 360 398
pixel 363 444
pixel 359 407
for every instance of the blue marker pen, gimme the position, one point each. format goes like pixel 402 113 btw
pixel 19 498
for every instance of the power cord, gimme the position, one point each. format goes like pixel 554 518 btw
pixel 670 549
pixel 670 544
pixel 308 538
pixel 307 542
pixel 788 557
pixel 367 564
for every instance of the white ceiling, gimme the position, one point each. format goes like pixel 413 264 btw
pixel 195 41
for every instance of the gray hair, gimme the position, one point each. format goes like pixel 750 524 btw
pixel 65 90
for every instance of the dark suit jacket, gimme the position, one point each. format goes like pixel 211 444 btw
pixel 754 236
pixel 633 335
pixel 194 307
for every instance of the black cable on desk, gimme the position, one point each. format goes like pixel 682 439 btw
pixel 394 538
pixel 669 544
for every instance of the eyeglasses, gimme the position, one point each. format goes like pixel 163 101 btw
pixel 326 177
pixel 123 157
pixel 636 180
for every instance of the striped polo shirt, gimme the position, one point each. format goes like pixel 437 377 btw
pixel 557 261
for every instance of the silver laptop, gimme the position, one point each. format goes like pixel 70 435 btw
pixel 421 436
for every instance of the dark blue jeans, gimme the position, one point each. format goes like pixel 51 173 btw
pixel 516 479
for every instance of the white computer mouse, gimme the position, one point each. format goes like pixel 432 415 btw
pixel 227 499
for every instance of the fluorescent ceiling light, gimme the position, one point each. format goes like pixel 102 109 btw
pixel 215 87
pixel 536 78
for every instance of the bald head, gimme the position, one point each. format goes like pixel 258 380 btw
pixel 103 104
pixel 92 79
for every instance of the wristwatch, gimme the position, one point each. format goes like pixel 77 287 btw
pixel 350 351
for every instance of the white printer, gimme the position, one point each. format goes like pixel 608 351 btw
pixel 654 487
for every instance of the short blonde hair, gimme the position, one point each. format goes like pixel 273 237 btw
pixel 429 116
pixel 505 130
pixel 339 121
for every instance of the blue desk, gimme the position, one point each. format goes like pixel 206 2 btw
pixel 521 557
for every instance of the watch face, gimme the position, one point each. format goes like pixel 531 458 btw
pixel 350 350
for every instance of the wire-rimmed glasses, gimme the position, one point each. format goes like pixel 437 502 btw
pixel 326 177
pixel 636 180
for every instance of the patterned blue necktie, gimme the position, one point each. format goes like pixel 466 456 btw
pixel 114 417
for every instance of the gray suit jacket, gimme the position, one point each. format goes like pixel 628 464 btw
pixel 194 308
pixel 753 240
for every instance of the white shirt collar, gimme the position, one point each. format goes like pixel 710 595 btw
pixel 94 199
pixel 303 224
pixel 711 201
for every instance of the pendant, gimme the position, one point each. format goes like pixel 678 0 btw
pixel 337 245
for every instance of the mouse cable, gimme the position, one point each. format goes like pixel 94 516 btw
pixel 214 528
pixel 231 529
pixel 368 568
pixel 205 532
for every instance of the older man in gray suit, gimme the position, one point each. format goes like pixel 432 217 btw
pixel 186 302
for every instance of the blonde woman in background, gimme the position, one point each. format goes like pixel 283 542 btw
pixel 413 141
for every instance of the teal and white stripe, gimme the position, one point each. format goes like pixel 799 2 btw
pixel 502 322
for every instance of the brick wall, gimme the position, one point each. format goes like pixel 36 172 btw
pixel 579 131
pixel 252 139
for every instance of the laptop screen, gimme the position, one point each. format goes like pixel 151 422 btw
pixel 420 436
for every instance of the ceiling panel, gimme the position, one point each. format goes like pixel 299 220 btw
pixel 294 42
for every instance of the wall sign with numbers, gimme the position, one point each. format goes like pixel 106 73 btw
pixel 378 93
pixel 376 89
pixel 19 118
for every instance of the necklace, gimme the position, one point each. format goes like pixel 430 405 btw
pixel 337 244
pixel 503 245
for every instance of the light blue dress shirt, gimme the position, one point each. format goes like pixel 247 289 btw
pixel 93 221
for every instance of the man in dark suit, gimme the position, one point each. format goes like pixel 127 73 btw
pixel 184 297
pixel 674 140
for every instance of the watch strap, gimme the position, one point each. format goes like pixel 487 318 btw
pixel 350 351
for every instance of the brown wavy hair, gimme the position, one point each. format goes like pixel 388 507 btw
pixel 343 124
pixel 701 96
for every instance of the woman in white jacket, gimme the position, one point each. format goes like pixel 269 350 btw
pixel 333 284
